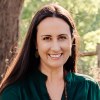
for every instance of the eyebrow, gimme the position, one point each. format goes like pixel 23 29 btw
pixel 46 35
pixel 63 35
pixel 58 35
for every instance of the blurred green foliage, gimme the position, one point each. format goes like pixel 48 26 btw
pixel 86 14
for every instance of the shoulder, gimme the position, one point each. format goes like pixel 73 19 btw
pixel 10 93
pixel 85 79
pixel 90 85
pixel 82 77
pixel 16 90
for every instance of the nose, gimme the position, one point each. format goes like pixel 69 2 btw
pixel 55 46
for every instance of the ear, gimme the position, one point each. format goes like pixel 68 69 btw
pixel 72 40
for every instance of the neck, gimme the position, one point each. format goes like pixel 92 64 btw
pixel 53 75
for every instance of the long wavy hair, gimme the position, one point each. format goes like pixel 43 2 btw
pixel 26 61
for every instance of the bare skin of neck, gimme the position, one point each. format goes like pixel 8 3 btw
pixel 55 82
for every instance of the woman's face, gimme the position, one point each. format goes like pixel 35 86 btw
pixel 53 42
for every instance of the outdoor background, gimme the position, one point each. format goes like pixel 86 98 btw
pixel 86 14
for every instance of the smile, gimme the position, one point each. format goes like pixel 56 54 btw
pixel 55 55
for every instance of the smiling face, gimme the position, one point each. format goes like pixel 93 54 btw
pixel 53 42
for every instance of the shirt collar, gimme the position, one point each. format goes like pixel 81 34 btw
pixel 40 75
pixel 69 77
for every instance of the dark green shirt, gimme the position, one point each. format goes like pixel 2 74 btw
pixel 33 87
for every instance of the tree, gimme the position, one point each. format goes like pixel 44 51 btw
pixel 9 29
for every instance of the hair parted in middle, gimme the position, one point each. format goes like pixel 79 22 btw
pixel 26 60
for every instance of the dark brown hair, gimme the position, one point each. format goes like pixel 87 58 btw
pixel 25 60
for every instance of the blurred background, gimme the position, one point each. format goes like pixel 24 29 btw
pixel 86 14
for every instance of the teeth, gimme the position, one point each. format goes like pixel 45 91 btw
pixel 55 55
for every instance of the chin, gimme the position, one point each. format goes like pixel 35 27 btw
pixel 56 66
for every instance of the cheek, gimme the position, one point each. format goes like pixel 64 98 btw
pixel 67 49
pixel 40 44
pixel 67 45
pixel 43 47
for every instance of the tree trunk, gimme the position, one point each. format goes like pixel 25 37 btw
pixel 9 29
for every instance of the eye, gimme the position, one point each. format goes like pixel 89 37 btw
pixel 62 37
pixel 47 38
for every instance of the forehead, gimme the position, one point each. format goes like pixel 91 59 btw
pixel 53 25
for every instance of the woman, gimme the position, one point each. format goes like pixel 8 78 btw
pixel 44 68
